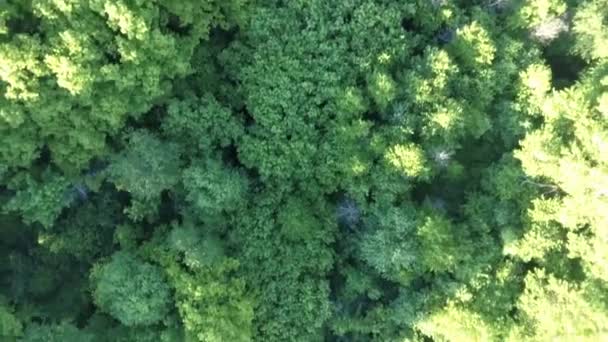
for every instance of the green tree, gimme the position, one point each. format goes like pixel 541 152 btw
pixel 555 309
pixel 97 63
pixel 132 291
pixel 213 188
pixel 10 326
pixel 145 168
pixel 55 333
pixel 210 297
pixel 40 201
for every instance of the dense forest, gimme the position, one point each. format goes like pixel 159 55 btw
pixel 303 170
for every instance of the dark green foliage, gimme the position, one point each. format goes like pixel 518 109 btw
pixel 303 170
pixel 62 332
pixel 87 230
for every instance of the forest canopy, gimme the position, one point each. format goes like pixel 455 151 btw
pixel 303 170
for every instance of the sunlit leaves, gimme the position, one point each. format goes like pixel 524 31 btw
pixel 535 84
pixel 409 160
pixel 382 88
pixel 10 326
pixel 591 30
pixel 453 323
pixel 19 61
pixel 210 298
pixel 556 309
pixel 213 304
pixel 473 46
pixel 303 170
pixel 96 64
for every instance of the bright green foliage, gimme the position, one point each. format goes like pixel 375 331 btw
pixel 456 324
pixel 536 12
pixel 132 291
pixel 591 30
pixel 442 91
pixel 541 236
pixel 404 245
pixel 409 160
pixel 555 309
pixel 211 301
pixel 212 304
pixel 303 170
pixel 566 154
pixel 10 326
pixel 473 46
pixel 382 88
pixel 97 63
pixel 535 84
pixel 72 86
